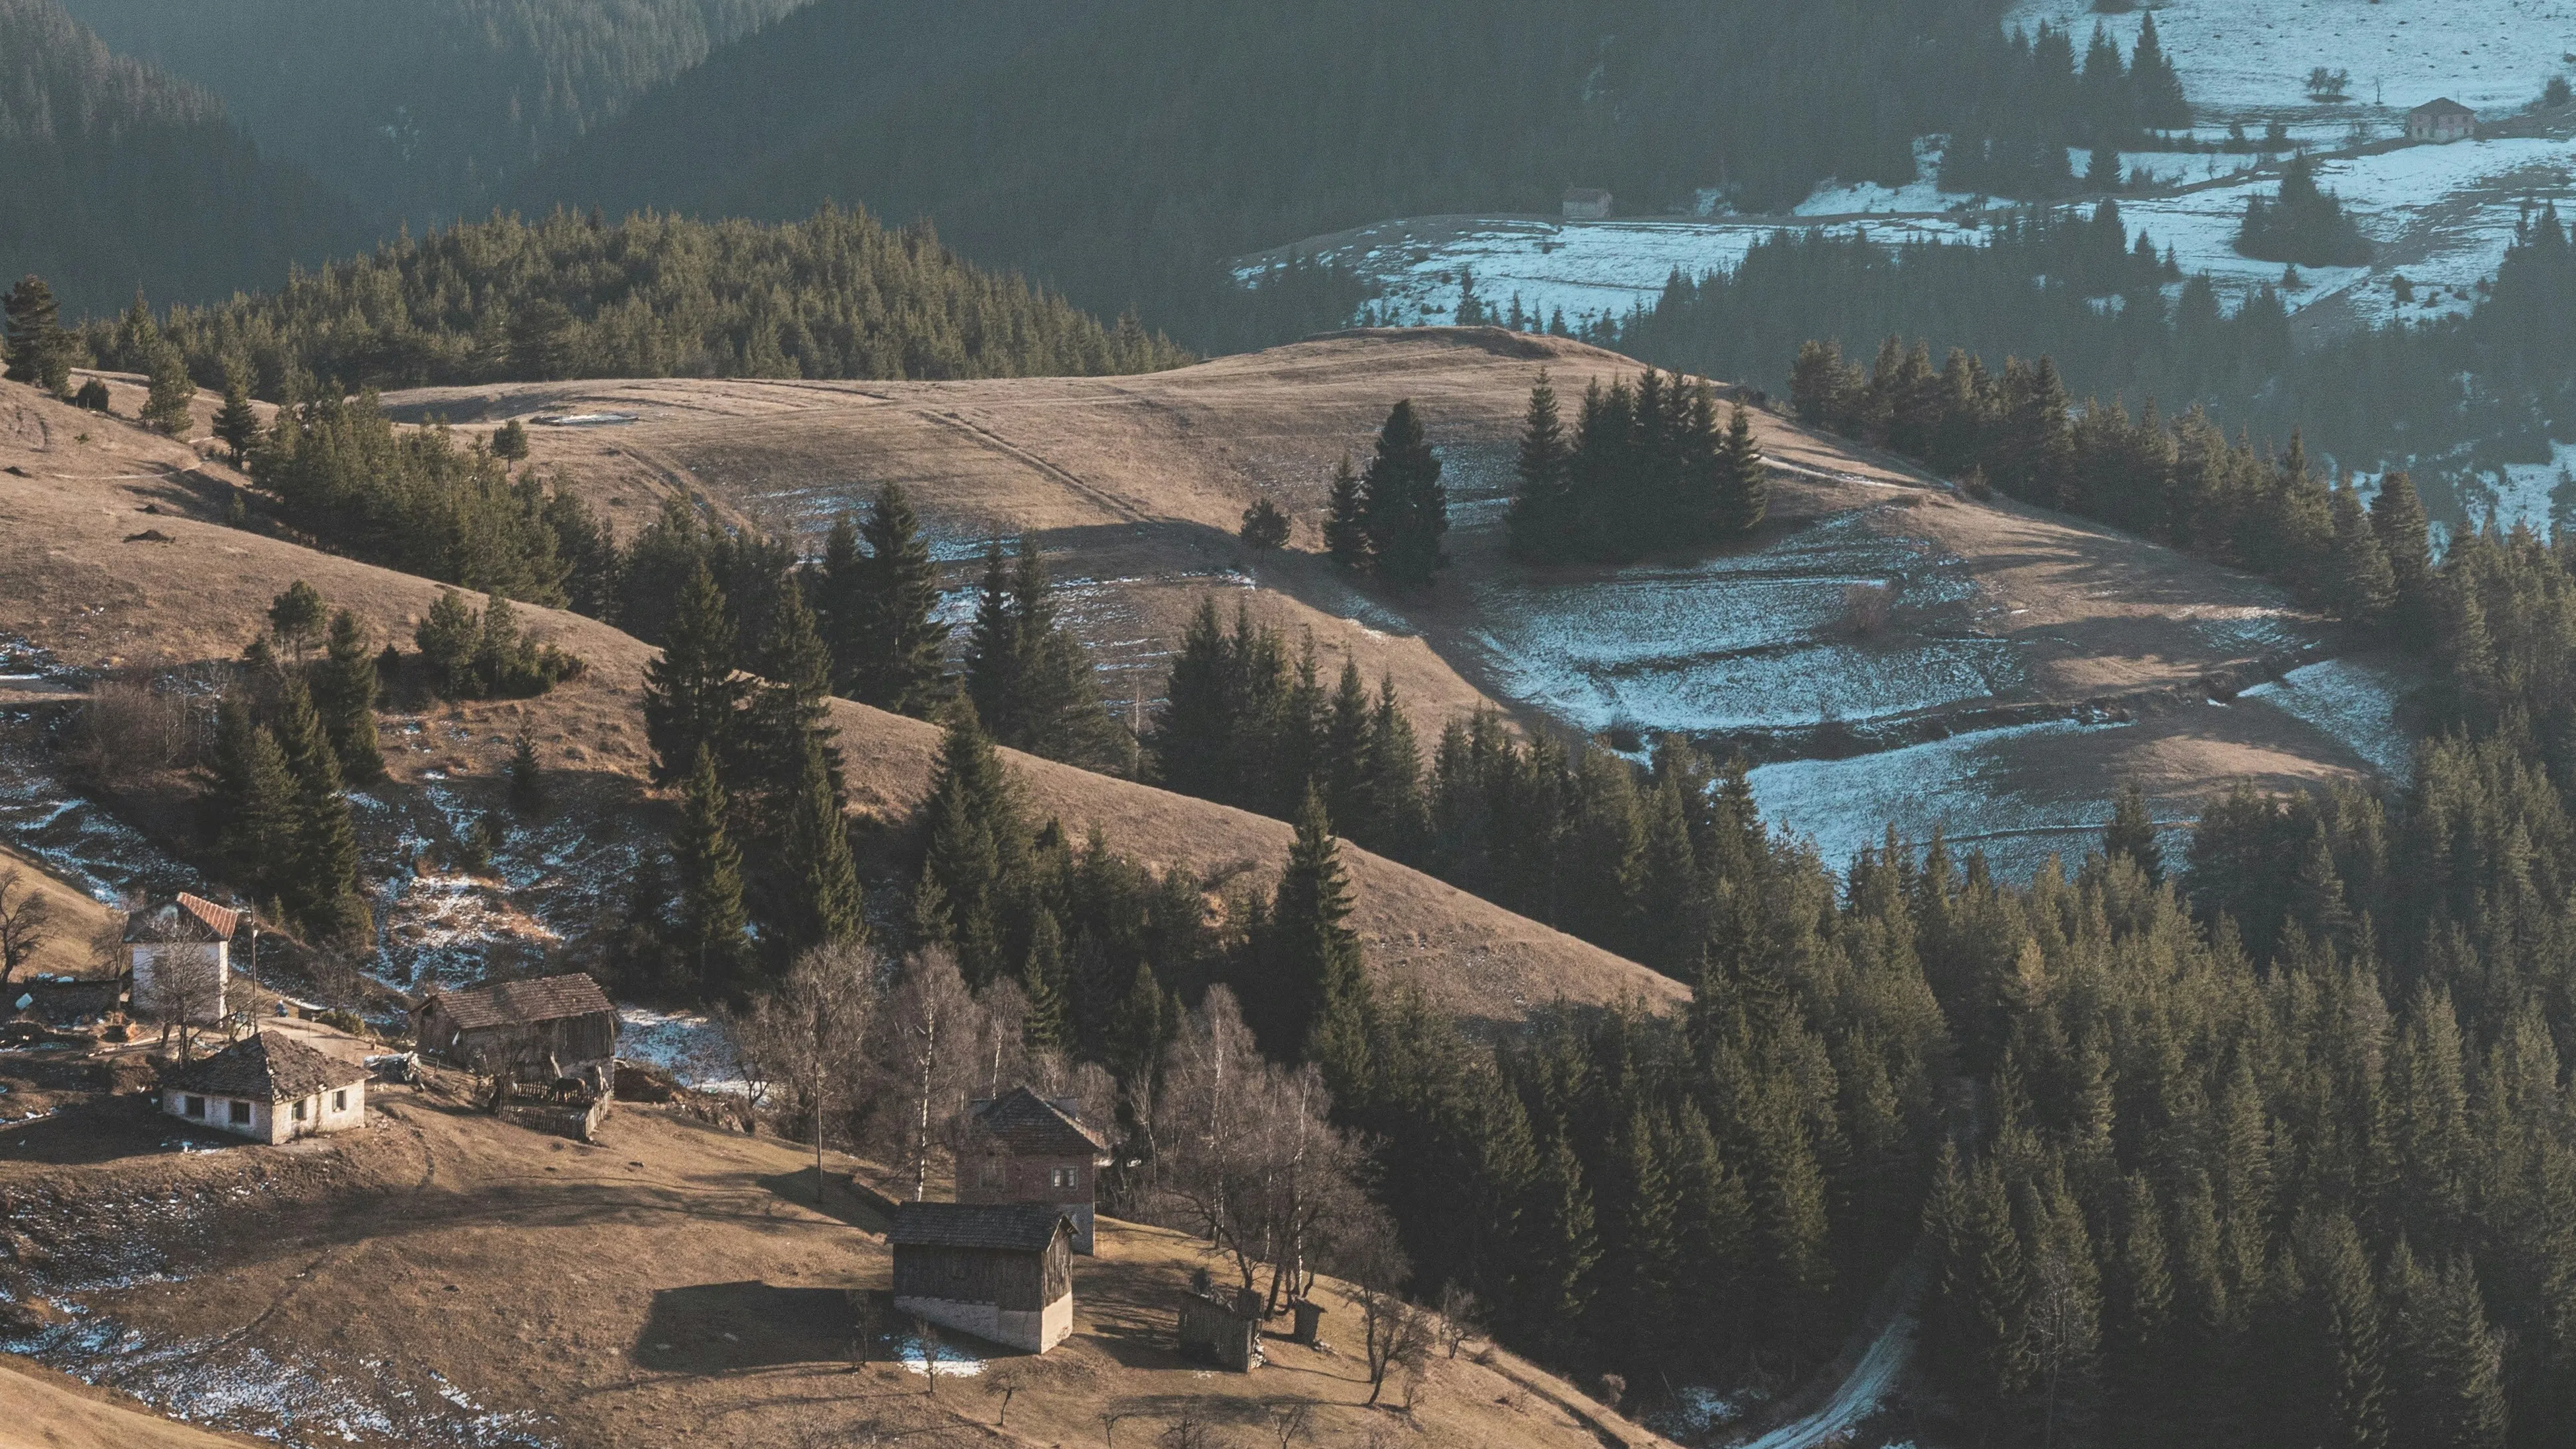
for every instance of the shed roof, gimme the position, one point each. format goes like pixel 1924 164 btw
pixel 1006 1227
pixel 507 1003
pixel 265 1067
pixel 2441 106
pixel 1025 1122
pixel 188 918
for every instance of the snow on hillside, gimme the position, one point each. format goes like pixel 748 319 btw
pixel 2240 57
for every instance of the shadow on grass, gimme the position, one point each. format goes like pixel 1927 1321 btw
pixel 859 1208
pixel 710 1328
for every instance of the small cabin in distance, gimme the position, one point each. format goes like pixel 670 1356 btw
pixel 547 1028
pixel 1000 1271
pixel 1024 1148
pixel 1586 203
pixel 2441 120
pixel 269 1088
pixel 179 957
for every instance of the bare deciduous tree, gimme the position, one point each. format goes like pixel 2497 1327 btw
pixel 924 1054
pixel 1394 1333
pixel 809 1031
pixel 1289 1419
pixel 1462 1317
pixel 25 920
pixel 186 987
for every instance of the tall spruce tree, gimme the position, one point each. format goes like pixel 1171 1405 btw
pixel 320 884
pixel 1313 955
pixel 787 711
pixel 40 351
pixel 2132 833
pixel 253 803
pixel 978 842
pixel 1742 486
pixel 1404 508
pixel 1542 512
pixel 1346 534
pixel 237 422
pixel 2405 537
pixel 819 899
pixel 711 938
pixel 996 651
pixel 166 402
pixel 2361 587
pixel 891 648
pixel 344 692
pixel 691 689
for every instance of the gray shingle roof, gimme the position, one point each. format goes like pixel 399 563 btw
pixel 1026 1123
pixel 548 998
pixel 265 1067
pixel 1008 1227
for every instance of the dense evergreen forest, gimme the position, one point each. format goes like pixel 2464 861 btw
pixel 835 295
pixel 2446 398
pixel 118 175
pixel 1232 128
pixel 427 110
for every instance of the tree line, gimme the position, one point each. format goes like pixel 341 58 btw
pixel 1646 469
pixel 2033 101
pixel 834 295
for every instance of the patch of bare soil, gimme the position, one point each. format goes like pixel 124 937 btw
pixel 442 1278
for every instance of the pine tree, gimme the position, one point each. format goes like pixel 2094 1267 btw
pixel 690 689
pixel 320 885
pixel 344 692
pixel 40 351
pixel 253 803
pixel 2152 78
pixel 787 710
pixel 1058 711
pixel 892 649
pixel 1265 529
pixel 237 422
pixel 1542 511
pixel 996 651
pixel 527 775
pixel 2446 1365
pixel 1313 954
pixel 297 619
pixel 710 936
pixel 1563 1249
pixel 1194 727
pixel 2354 1396
pixel 165 406
pixel 1344 766
pixel 821 900
pixel 1405 511
pixel 977 842
pixel 2397 516
pixel 1392 780
pixel 510 442
pixel 1043 980
pixel 2361 587
pixel 1742 481
pixel 2132 833
pixel 1346 536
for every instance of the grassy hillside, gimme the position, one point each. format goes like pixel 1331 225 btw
pixel 118 175
pixel 424 111
pixel 383 1288
pixel 79 582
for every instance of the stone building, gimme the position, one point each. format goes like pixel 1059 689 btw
pixel 269 1088
pixel 2441 120
pixel 1022 1148
pixel 179 955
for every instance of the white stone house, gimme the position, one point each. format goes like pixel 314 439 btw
pixel 179 955
pixel 2441 120
pixel 269 1088
pixel 1586 203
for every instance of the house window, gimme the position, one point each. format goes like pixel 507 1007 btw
pixel 1064 1179
pixel 956 1267
pixel 340 1101
pixel 240 1114
pixel 992 1172
pixel 194 1107
pixel 299 1111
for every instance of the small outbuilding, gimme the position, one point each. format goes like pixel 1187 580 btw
pixel 1586 203
pixel 2441 120
pixel 554 1026
pixel 269 1088
pixel 179 956
pixel 1024 1148
pixel 1000 1271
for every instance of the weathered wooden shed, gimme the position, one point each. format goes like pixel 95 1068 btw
pixel 1000 1271
pixel 549 1027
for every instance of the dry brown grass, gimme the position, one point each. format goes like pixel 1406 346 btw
pixel 674 1285
pixel 42 1409
pixel 79 932
pixel 70 581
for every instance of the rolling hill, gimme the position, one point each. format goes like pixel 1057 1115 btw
pixel 2033 660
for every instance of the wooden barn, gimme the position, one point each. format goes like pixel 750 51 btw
pixel 1000 1271
pixel 554 1026
pixel 1024 1148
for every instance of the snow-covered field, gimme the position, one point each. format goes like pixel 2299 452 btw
pixel 1960 784
pixel 1739 641
pixel 2353 701
pixel 2242 57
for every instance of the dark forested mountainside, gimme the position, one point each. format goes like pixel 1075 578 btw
pixel 2449 398
pixel 1123 150
pixel 428 109
pixel 836 295
pixel 117 176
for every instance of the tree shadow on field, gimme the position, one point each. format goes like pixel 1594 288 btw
pixel 711 1328
pixel 859 1207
